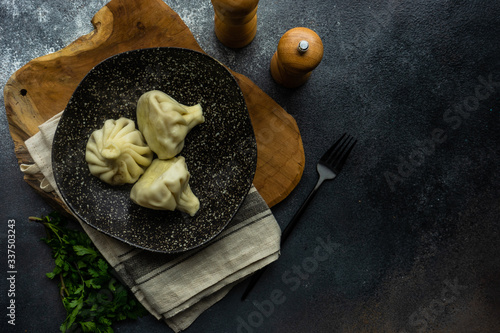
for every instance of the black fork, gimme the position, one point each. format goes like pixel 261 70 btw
pixel 329 166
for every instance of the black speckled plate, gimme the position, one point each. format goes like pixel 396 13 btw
pixel 221 153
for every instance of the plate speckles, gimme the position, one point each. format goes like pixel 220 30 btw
pixel 222 166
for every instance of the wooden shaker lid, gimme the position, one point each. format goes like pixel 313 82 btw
pixel 299 52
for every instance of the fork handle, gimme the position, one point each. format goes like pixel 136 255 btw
pixel 288 229
pixel 284 235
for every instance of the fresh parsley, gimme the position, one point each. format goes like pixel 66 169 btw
pixel 93 298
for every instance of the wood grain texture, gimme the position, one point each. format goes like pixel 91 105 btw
pixel 290 67
pixel 235 21
pixel 43 87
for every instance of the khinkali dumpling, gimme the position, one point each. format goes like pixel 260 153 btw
pixel 165 186
pixel 164 122
pixel 117 153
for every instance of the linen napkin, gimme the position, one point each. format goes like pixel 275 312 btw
pixel 178 287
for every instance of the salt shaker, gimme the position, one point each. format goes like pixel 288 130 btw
pixel 299 52
pixel 235 21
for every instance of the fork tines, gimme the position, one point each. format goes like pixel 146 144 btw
pixel 336 156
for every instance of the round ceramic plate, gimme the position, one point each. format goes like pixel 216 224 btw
pixel 221 153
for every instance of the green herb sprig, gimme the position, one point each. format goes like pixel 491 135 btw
pixel 93 298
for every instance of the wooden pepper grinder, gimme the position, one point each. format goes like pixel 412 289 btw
pixel 235 21
pixel 299 51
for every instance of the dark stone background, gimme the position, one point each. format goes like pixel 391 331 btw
pixel 420 255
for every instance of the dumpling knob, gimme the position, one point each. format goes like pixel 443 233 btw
pixel 164 122
pixel 111 151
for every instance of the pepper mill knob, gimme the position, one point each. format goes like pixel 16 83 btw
pixel 299 52
pixel 235 21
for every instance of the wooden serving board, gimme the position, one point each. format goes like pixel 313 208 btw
pixel 43 87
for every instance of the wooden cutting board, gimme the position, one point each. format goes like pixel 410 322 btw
pixel 43 87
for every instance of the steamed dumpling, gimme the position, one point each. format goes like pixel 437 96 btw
pixel 117 153
pixel 165 186
pixel 165 123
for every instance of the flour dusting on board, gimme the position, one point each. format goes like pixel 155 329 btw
pixel 41 28
pixel 30 29
pixel 11 7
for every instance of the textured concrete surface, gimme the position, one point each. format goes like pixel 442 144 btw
pixel 405 240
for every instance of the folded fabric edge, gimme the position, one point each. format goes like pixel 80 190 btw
pixel 182 320
pixel 230 279
pixel 33 169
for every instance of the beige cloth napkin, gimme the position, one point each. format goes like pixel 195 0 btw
pixel 178 287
